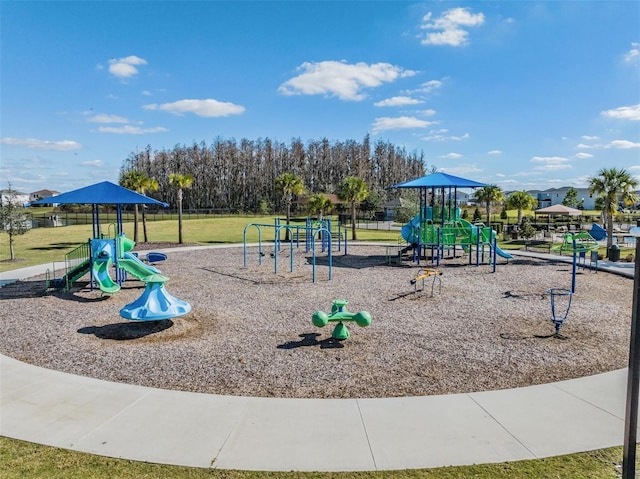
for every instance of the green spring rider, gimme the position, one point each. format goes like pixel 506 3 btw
pixel 339 314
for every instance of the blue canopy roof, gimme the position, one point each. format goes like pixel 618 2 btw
pixel 439 180
pixel 105 193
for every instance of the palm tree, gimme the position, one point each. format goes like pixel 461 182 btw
pixel 520 200
pixel 289 185
pixel 180 182
pixel 133 180
pixel 319 203
pixel 613 185
pixel 488 195
pixel 353 190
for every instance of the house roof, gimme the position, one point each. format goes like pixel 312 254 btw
pixel 105 193
pixel 395 203
pixel 45 192
pixel 14 192
pixel 333 198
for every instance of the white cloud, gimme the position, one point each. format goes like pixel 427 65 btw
pixel 398 101
pixel 633 55
pixel 208 108
pixel 125 67
pixel 451 156
pixel 35 144
pixel 584 156
pixel 440 136
pixel 428 112
pixel 104 118
pixel 448 27
pixel 428 87
pixel 623 144
pixel 631 112
pixel 94 163
pixel 131 130
pixel 398 123
pixel 340 79
pixel 618 144
pixel 494 152
pixel 461 170
pixel 589 138
pixel 551 163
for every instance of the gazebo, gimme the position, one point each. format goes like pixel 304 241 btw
pixel 105 193
pixel 556 210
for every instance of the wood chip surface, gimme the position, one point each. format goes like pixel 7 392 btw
pixel 250 331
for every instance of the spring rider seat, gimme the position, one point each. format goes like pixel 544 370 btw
pixel 339 314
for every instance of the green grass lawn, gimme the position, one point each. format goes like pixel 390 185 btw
pixel 46 245
pixel 20 459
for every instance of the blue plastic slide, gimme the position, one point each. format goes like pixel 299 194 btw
pixel 501 252
pixel 409 231
pixel 598 232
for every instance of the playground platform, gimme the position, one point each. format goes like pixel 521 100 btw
pixel 249 433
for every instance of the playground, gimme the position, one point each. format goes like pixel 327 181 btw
pixel 250 330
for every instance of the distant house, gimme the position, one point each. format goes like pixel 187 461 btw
pixel 555 196
pixel 463 198
pixel 42 194
pixel 15 196
pixel 303 200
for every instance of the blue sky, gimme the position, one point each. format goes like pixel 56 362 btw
pixel 520 94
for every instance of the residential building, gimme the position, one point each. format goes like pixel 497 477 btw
pixel 42 194
pixel 15 196
pixel 555 196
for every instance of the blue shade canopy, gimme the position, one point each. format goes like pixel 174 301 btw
pixel 105 193
pixel 440 180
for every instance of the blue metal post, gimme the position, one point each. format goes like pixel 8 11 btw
pixel 494 253
pixel 313 265
pixel 275 253
pixel 244 241
pixel 574 267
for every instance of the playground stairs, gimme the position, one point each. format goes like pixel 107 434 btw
pixel 396 253
pixel 77 264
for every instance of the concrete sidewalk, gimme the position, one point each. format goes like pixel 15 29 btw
pixel 204 430
pixel 227 432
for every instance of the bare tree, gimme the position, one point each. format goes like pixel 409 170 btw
pixel 13 219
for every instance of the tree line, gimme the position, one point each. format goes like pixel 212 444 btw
pixel 241 175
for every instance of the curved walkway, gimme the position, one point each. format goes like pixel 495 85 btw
pixel 204 430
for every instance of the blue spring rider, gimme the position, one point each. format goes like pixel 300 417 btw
pixel 339 314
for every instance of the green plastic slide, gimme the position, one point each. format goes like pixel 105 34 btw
pixel 136 267
pixel 101 276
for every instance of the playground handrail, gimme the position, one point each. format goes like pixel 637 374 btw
pixel 75 257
